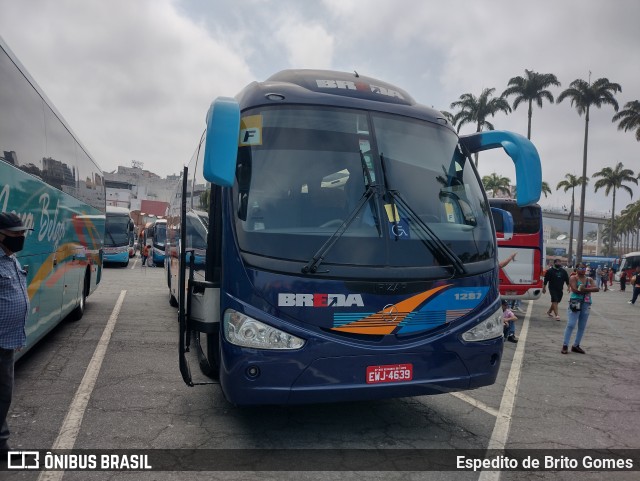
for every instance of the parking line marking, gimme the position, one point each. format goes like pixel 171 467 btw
pixel 475 403
pixel 73 420
pixel 501 429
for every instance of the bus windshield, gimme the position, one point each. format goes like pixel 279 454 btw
pixel 117 231
pixel 160 234
pixel 301 172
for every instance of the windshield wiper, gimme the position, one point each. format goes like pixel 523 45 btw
pixel 431 240
pixel 372 189
pixel 113 241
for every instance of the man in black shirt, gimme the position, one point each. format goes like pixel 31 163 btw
pixel 556 277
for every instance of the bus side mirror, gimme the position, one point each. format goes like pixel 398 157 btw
pixel 221 141
pixel 524 156
pixel 503 221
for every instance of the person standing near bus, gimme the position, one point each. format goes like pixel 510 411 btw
pixel 604 280
pixel 14 309
pixel 635 284
pixel 579 308
pixel 623 281
pixel 556 277
pixel 145 253
pixel 509 324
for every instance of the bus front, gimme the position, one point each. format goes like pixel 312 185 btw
pixel 159 241
pixel 359 257
pixel 118 236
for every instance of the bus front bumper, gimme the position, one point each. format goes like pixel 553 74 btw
pixel 256 377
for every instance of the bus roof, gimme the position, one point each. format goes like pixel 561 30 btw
pixel 331 88
pixel 112 209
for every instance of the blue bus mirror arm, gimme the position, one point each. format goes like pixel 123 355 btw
pixel 221 141
pixel 523 153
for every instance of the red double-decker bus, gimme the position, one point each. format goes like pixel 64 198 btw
pixel 522 277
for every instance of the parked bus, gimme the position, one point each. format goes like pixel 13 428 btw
pixel 119 236
pixel 522 277
pixel 628 264
pixel 50 181
pixel 197 231
pixel 350 252
pixel 155 238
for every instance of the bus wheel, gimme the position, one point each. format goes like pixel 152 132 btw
pixel 78 312
pixel 209 355
pixel 172 300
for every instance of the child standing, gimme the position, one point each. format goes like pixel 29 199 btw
pixel 508 320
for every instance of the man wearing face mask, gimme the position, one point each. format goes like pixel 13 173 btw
pixel 556 277
pixel 14 309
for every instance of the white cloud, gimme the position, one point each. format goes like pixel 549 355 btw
pixel 308 45
pixel 133 79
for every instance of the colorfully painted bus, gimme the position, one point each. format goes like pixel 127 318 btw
pixel 49 180
pixel 350 253
pixel 119 236
pixel 522 277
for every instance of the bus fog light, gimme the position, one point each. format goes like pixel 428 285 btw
pixel 490 328
pixel 245 331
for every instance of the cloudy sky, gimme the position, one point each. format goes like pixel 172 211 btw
pixel 134 78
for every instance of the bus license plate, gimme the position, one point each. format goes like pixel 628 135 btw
pixel 389 373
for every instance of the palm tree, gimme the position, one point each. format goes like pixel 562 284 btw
pixel 545 189
pixel 496 183
pixel 612 180
pixel 530 89
pixel 571 182
pixel 631 218
pixel 629 118
pixel 477 110
pixel 583 95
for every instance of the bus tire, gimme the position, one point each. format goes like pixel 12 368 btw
pixel 78 312
pixel 210 360
pixel 172 300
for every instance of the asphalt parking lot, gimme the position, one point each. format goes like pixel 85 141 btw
pixel 134 397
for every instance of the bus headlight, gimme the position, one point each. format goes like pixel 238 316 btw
pixel 245 331
pixel 490 328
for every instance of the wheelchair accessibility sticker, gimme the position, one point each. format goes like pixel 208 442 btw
pixel 400 230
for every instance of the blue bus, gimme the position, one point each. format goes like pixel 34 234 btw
pixel 155 238
pixel 119 236
pixel 50 181
pixel 351 252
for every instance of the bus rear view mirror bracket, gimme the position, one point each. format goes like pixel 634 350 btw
pixel 524 156
pixel 221 142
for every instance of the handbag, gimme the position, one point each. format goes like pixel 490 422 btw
pixel 575 305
